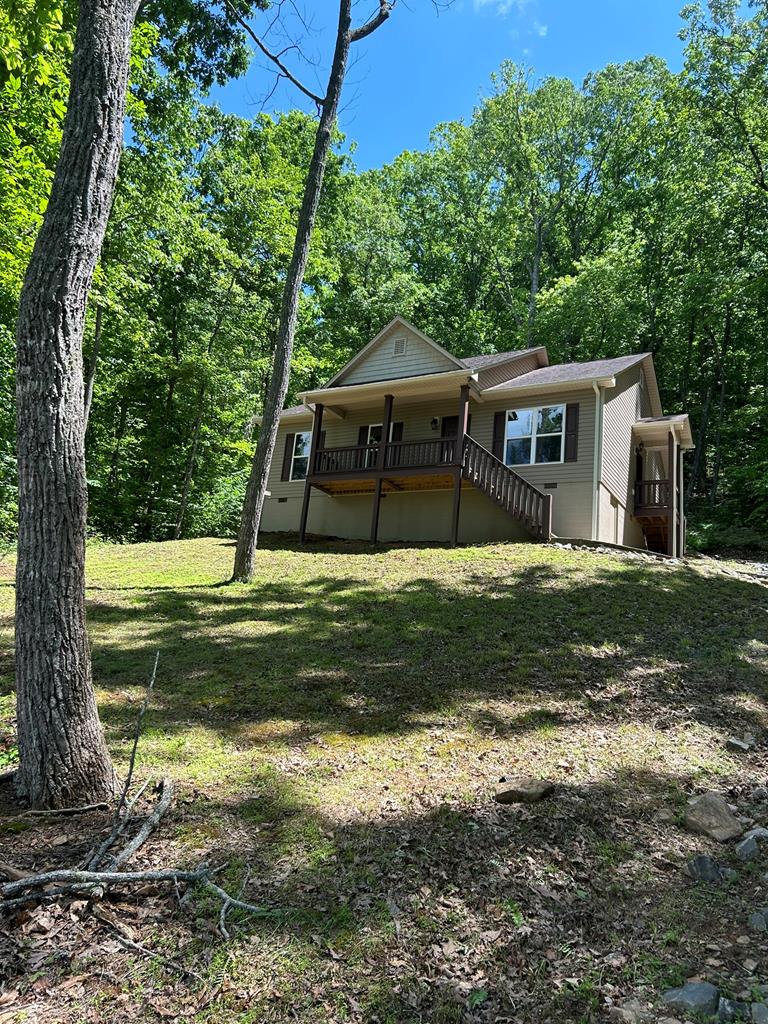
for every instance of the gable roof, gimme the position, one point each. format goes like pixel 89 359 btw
pixel 483 362
pixel 398 321
pixel 562 373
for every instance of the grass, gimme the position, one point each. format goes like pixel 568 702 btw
pixel 337 729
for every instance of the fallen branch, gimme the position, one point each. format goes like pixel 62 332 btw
pixel 167 961
pixel 68 880
pixel 58 812
pixel 151 823
pixel 95 855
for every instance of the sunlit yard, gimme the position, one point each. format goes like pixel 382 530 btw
pixel 337 730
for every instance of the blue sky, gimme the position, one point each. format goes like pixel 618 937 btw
pixel 423 67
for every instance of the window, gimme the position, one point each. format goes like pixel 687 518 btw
pixel 300 457
pixel 399 346
pixel 534 435
pixel 374 437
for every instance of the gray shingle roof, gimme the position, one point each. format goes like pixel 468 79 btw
pixel 294 410
pixel 482 362
pixel 563 372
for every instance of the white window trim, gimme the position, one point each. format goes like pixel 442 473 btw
pixel 535 410
pixel 294 456
pixel 371 427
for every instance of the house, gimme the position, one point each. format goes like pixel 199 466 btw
pixel 410 443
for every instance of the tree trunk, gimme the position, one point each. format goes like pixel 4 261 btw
pixel 721 403
pixel 92 366
pixel 190 463
pixel 64 757
pixel 278 384
pixel 533 295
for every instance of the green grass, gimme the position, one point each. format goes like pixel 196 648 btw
pixel 336 730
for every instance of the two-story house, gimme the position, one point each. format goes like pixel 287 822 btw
pixel 410 443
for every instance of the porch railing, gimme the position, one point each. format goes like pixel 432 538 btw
pixel 652 494
pixel 515 494
pixel 432 453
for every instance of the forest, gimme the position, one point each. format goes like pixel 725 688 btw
pixel 627 213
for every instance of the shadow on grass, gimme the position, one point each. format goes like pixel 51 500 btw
pixel 374 656
pixel 530 911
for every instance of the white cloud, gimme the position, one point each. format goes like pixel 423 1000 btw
pixel 539 29
pixel 501 7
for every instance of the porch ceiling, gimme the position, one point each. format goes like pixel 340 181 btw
pixel 432 385
pixel 653 431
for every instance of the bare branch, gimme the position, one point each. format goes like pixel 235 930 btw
pixel 163 803
pixel 384 11
pixel 319 100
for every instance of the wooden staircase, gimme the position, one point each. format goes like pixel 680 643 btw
pixel 519 498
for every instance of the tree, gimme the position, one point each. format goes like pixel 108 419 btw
pixel 289 311
pixel 64 757
pixel 63 754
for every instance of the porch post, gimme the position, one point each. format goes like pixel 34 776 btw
pixel 458 457
pixel 680 503
pixel 317 426
pixel 381 460
pixel 463 417
pixel 386 424
pixel 672 508
pixel 376 506
pixel 456 505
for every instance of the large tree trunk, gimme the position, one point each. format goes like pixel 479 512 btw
pixel 64 757
pixel 278 384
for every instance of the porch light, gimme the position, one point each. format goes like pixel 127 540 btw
pixel 434 423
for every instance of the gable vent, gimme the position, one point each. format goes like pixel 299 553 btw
pixel 399 347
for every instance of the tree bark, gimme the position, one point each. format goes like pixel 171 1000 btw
pixel 64 757
pixel 278 384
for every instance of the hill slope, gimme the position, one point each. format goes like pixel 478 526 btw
pixel 337 730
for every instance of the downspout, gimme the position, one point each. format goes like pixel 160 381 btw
pixel 598 460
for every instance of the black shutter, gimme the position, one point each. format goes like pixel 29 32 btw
pixel 287 456
pixel 362 434
pixel 397 431
pixel 499 428
pixel 572 432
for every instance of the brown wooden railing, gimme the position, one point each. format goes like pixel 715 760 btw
pixel 346 460
pixel 508 489
pixel 652 494
pixel 438 451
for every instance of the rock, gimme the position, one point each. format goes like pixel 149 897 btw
pixel 704 868
pixel 694 996
pixel 732 1009
pixel 734 743
pixel 631 1011
pixel 523 790
pixel 759 1013
pixel 710 815
pixel 757 833
pixel 760 793
pixel 757 922
pixel 729 874
pixel 747 849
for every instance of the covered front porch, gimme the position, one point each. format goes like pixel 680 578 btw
pixel 390 458
pixel 659 492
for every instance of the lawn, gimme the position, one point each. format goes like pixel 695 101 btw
pixel 336 731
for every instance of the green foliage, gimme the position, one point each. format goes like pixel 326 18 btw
pixel 628 214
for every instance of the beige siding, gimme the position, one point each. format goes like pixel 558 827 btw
pixel 425 516
pixel 381 363
pixel 617 474
pixel 507 371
